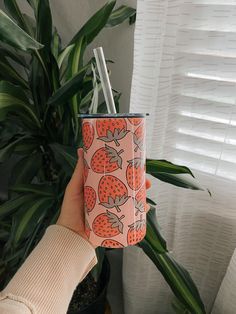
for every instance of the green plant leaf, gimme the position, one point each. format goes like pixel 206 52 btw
pixel 173 174
pixel 119 15
pixel 7 208
pixel 179 308
pixel 44 24
pixel 38 208
pixel 40 83
pixel 86 100
pixel 55 75
pixel 7 72
pixel 12 98
pixel 149 201
pixel 13 35
pixel 26 169
pixel 31 23
pixel 13 55
pixel 41 189
pixel 180 180
pixel 132 19
pixel 12 90
pixel 163 166
pixel 153 235
pixel 96 271
pixel 56 44
pixel 68 90
pixel 75 62
pixel 7 150
pixel 44 36
pixel 95 24
pixel 65 156
pixel 14 256
pixel 64 54
pixel 3 235
pixel 177 278
pixel 74 65
pixel 27 146
pixel 14 11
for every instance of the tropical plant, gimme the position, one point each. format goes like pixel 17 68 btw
pixel 43 87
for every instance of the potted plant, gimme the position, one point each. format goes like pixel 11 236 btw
pixel 43 87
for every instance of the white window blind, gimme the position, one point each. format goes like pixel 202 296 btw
pixel 202 115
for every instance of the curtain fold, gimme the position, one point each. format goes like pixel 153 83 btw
pixel 184 77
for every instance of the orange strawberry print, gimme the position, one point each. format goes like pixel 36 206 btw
pixel 139 138
pixel 106 159
pixel 135 121
pixel 86 170
pixel 136 232
pixel 140 200
pixel 112 192
pixel 112 244
pixel 107 225
pixel 87 229
pixel 111 130
pixel 88 135
pixel 89 198
pixel 135 173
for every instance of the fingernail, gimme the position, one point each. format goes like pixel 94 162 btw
pixel 80 152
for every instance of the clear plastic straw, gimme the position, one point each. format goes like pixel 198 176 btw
pixel 105 81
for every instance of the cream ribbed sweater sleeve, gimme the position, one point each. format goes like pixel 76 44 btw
pixel 46 281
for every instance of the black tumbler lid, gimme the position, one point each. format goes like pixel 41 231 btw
pixel 113 115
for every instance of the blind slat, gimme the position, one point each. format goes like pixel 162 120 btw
pixel 202 116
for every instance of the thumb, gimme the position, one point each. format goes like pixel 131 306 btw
pixel 77 180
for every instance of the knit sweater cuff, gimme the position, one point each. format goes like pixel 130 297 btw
pixel 49 276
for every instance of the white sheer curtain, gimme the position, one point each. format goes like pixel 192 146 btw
pixel 184 77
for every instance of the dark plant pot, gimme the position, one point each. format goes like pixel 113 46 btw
pixel 98 306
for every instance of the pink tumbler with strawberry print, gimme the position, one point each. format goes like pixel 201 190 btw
pixel 114 178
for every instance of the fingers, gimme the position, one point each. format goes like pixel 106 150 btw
pixel 147 208
pixel 77 180
pixel 148 184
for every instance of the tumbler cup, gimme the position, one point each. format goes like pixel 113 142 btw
pixel 114 178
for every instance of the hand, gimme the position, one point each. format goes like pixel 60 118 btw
pixel 72 211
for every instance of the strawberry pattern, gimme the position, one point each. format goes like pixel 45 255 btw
pixel 136 231
pixel 135 173
pixel 106 159
pixel 89 198
pixel 112 244
pixel 88 135
pixel 111 129
pixel 112 192
pixel 114 178
pixel 108 225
